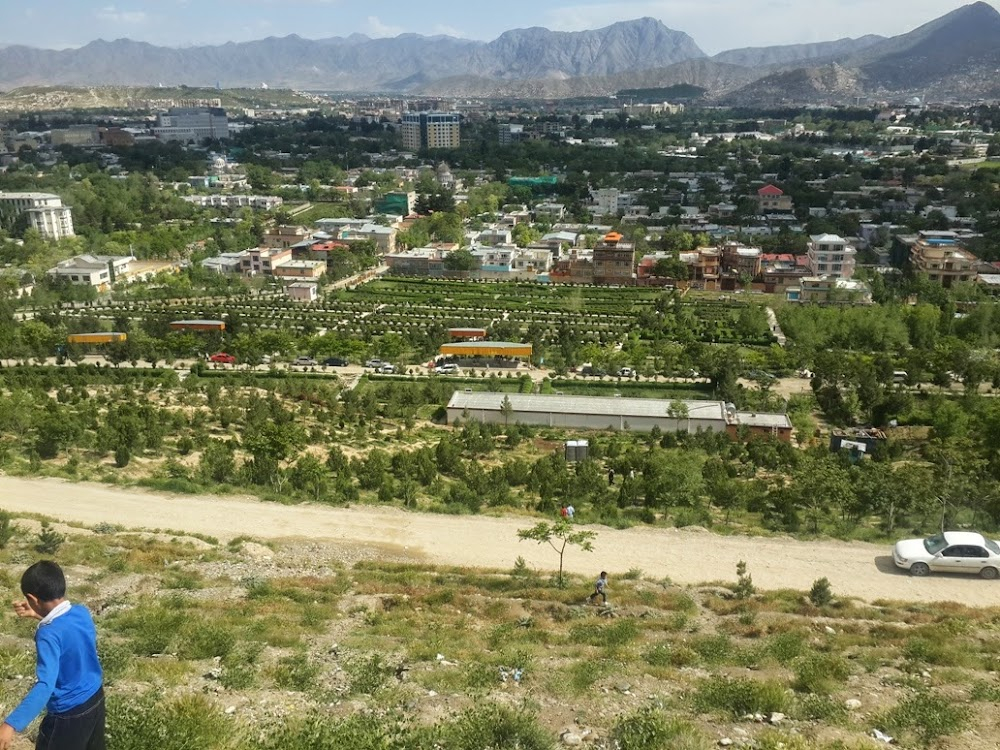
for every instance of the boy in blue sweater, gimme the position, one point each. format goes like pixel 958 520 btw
pixel 69 683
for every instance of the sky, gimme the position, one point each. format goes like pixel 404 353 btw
pixel 715 25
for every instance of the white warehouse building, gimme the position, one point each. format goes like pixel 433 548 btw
pixel 592 412
pixel 625 414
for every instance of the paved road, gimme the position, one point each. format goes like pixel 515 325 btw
pixel 855 569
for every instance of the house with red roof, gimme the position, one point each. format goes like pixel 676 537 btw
pixel 772 200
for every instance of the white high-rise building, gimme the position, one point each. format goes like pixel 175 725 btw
pixel 830 255
pixel 46 213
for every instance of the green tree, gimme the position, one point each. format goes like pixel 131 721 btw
pixel 559 536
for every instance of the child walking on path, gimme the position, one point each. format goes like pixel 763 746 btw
pixel 600 588
pixel 69 682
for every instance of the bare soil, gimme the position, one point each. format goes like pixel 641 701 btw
pixel 684 556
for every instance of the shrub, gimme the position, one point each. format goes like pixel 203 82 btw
pixel 296 672
pixel 651 729
pixel 205 639
pixel 821 594
pixel 659 656
pixel 819 673
pixel 943 653
pixel 239 666
pixel 316 733
pixel 744 588
pixel 368 675
pixel 740 696
pixel 492 727
pixel 583 674
pixel 8 529
pixel 713 649
pixel 115 659
pixel 190 721
pixel 49 540
pixel 150 629
pixel 928 716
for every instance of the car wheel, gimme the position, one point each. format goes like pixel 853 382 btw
pixel 988 573
pixel 919 569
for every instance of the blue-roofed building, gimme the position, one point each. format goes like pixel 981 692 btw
pixel 943 258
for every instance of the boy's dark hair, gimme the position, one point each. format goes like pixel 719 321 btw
pixel 45 580
pixel 603 574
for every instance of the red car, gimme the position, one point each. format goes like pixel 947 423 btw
pixel 223 359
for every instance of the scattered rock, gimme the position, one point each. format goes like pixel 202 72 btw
pixel 230 710
pixel 925 674
pixel 829 631
pixel 256 551
pixel 776 718
pixel 725 742
pixel 852 704
pixel 571 739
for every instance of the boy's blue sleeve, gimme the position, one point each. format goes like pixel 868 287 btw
pixel 47 671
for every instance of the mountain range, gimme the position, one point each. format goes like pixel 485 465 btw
pixel 956 56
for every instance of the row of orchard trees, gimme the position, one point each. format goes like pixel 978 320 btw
pixel 303 441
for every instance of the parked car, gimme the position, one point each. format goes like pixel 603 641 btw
pixel 335 362
pixel 626 372
pixel 387 369
pixel 222 358
pixel 304 361
pixel 949 552
pixel 376 363
pixel 446 368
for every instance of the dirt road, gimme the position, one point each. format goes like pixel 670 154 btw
pixel 861 570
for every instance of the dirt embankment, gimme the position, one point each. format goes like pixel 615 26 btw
pixel 854 569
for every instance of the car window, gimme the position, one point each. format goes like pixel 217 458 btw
pixel 977 552
pixel 992 546
pixel 956 551
pixel 935 544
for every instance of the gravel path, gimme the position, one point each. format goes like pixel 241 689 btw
pixel 686 556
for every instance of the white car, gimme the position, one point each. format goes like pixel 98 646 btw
pixel 950 552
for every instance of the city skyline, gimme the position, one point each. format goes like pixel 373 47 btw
pixel 715 25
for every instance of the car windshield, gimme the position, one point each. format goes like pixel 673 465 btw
pixel 992 546
pixel 934 544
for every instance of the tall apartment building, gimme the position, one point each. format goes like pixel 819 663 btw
pixel 942 257
pixel 431 130
pixel 45 212
pixel 192 124
pixel 830 255
pixel 614 261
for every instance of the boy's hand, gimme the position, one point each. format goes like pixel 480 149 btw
pixel 6 735
pixel 23 609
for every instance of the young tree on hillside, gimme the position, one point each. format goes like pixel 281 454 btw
pixel 559 536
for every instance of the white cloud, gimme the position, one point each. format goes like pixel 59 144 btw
pixel 725 24
pixel 111 14
pixel 377 28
